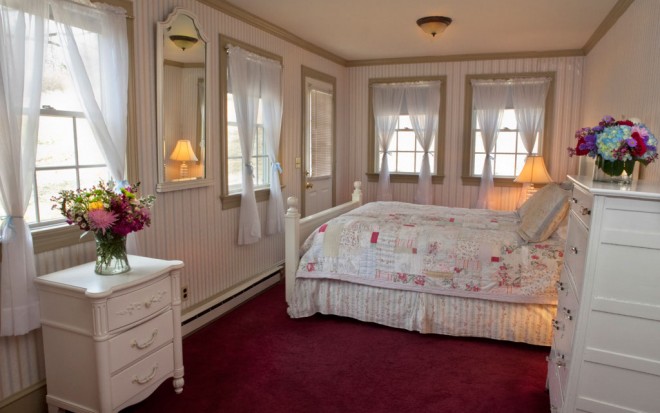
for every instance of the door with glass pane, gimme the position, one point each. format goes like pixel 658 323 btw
pixel 318 151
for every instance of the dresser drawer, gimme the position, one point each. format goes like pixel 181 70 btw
pixel 141 375
pixel 566 318
pixel 136 305
pixel 555 390
pixel 582 204
pixel 576 252
pixel 141 340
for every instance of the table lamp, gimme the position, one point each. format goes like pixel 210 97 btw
pixel 533 172
pixel 183 152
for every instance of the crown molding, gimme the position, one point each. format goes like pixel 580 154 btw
pixel 258 22
pixel 617 11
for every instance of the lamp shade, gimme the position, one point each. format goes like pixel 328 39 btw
pixel 534 171
pixel 434 24
pixel 183 151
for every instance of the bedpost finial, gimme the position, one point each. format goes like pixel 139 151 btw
pixel 292 202
pixel 357 184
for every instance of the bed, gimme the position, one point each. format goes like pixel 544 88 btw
pixel 431 269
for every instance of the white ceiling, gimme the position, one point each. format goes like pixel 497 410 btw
pixel 379 29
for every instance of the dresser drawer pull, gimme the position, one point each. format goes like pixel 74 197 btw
pixel 585 211
pixel 574 200
pixel 141 346
pixel 567 313
pixel 147 379
pixel 556 324
pixel 574 249
pixel 559 362
pixel 559 285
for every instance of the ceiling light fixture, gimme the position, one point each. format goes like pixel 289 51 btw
pixel 434 24
pixel 182 41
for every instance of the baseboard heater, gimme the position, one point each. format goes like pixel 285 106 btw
pixel 199 317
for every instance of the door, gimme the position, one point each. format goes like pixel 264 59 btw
pixel 318 150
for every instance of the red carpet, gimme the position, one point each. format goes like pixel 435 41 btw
pixel 257 359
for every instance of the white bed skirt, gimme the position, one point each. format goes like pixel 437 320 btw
pixel 426 313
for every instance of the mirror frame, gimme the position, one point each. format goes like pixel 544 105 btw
pixel 161 29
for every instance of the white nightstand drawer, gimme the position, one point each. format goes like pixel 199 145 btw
pixel 556 396
pixel 576 251
pixel 141 340
pixel 129 308
pixel 142 374
pixel 566 318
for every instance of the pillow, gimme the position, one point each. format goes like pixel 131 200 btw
pixel 543 213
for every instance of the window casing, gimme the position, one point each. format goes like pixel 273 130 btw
pixel 509 153
pixel 405 152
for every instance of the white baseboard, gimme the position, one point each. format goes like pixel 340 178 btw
pixel 202 315
pixel 29 400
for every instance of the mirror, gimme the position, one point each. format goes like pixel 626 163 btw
pixel 182 70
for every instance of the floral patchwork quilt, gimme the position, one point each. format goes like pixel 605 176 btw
pixel 452 251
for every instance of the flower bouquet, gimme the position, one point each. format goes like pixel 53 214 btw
pixel 616 146
pixel 111 213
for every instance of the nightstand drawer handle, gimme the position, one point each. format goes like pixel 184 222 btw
pixel 556 325
pixel 560 285
pixel 574 200
pixel 567 313
pixel 585 211
pixel 147 343
pixel 574 249
pixel 559 361
pixel 147 379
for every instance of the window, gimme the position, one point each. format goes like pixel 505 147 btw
pixel 260 161
pixel 319 125
pixel 67 154
pixel 231 156
pixel 509 154
pixel 406 153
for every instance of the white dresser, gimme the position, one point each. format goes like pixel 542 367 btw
pixel 605 355
pixel 109 341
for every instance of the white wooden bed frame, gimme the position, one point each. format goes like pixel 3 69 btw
pixel 296 230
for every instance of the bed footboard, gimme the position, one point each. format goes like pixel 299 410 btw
pixel 296 230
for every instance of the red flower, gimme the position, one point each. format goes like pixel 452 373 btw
pixel 639 149
pixel 578 151
pixel 626 123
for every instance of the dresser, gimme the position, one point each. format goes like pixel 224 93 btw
pixel 110 340
pixel 605 355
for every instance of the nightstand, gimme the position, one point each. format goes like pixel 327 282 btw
pixel 110 340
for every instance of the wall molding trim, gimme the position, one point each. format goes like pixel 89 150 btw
pixel 31 399
pixel 617 11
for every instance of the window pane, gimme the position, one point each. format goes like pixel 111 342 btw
pixel 404 122
pixel 50 183
pixel 233 144
pixel 478 142
pixel 506 142
pixel 406 141
pixel 57 90
pixel 234 176
pixel 55 144
pixel 261 171
pixel 520 162
pixel 91 176
pixel 505 165
pixel 231 110
pixel 88 150
pixel 478 166
pixel 405 162
pixel 509 120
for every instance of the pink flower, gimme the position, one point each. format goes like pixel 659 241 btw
pixel 100 219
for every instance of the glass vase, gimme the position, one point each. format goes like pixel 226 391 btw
pixel 111 257
pixel 617 172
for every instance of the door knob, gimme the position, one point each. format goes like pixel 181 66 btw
pixel 309 185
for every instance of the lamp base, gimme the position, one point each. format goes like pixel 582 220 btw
pixel 531 190
pixel 183 170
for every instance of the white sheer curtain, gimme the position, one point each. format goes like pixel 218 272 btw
pixel 387 100
pixel 528 96
pixel 271 96
pixel 103 93
pixel 22 40
pixel 489 99
pixel 423 102
pixel 244 80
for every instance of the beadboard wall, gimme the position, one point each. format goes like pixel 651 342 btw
pixel 568 83
pixel 622 76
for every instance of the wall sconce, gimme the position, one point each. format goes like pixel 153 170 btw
pixel 434 24
pixel 534 172
pixel 182 41
pixel 183 152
